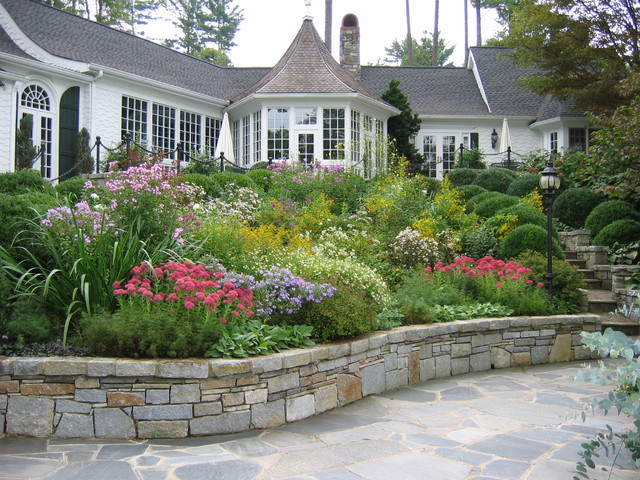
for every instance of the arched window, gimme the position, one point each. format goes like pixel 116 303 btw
pixel 34 96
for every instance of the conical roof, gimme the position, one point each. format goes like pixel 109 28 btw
pixel 307 67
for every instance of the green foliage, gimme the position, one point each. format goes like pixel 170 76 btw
pixel 527 237
pixel 398 52
pixel 403 127
pixel 144 334
pixel 212 188
pixel 471 159
pixel 624 253
pixel 526 215
pixel 30 321
pixel 462 176
pixel 470 191
pixel 568 282
pixel 347 313
pixel 474 201
pixel 624 397
pixel 620 231
pixel 495 179
pixel 523 184
pixel 23 181
pixel 25 150
pixel 608 212
pixel 489 207
pixel 481 242
pixel 17 215
pixel 240 180
pixel 256 338
pixel 71 189
pixel 84 161
pixel 573 206
pixel 201 164
pixel 261 177
pixel 450 313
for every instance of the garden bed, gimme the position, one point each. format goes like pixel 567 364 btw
pixel 76 397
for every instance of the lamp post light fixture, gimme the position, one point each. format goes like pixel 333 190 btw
pixel 494 138
pixel 549 183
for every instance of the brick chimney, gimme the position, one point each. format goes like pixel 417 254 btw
pixel 350 45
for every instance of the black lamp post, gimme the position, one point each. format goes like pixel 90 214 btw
pixel 494 138
pixel 549 183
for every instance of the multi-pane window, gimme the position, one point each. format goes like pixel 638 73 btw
pixel 577 139
pixel 306 116
pixel 429 151
pixel 278 133
pixel 34 96
pixel 163 128
pixel 211 134
pixel 257 136
pixel 553 142
pixel 246 140
pixel 355 137
pixel 134 118
pixel 46 142
pixel 306 148
pixel 333 133
pixel 190 134
pixel 448 152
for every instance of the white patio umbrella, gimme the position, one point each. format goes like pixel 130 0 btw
pixel 225 141
pixel 505 137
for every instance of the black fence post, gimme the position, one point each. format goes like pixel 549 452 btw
pixel 462 155
pixel 222 161
pixel 509 158
pixel 98 142
pixel 42 157
pixel 127 141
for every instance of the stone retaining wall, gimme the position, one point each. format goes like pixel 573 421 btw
pixel 122 398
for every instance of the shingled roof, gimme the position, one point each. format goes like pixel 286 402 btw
pixel 430 90
pixel 69 36
pixel 307 67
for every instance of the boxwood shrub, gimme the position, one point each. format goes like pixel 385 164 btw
pixel 573 206
pixel 211 187
pixel 474 201
pixel 527 237
pixel 71 188
pixel 469 191
pixel 524 184
pixel 495 179
pixel 620 231
pixel 462 176
pixel 608 212
pixel 261 177
pixel 24 181
pixel 489 207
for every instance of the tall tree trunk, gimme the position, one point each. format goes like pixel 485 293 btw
pixel 478 25
pixel 328 19
pixel 466 30
pixel 409 38
pixel 436 37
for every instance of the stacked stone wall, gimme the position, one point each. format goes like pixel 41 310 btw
pixel 123 398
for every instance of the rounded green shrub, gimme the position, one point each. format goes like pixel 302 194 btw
pixel 474 201
pixel 573 206
pixel 211 188
pixel 225 178
pixel 71 189
pixel 489 207
pixel 17 212
pixel 527 237
pixel 620 231
pixel 462 176
pixel 24 181
pixel 525 215
pixel 495 179
pixel 481 242
pixel 524 184
pixel 469 191
pixel 608 212
pixel 348 312
pixel 261 177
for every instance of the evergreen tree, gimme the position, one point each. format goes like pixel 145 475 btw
pixel 84 160
pixel 25 151
pixel 402 128
pixel 398 52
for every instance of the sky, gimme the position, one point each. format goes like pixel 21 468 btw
pixel 269 27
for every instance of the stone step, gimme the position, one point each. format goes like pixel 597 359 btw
pixel 570 254
pixel 620 323
pixel 580 264
pixel 601 301
pixel 593 283
pixel 587 273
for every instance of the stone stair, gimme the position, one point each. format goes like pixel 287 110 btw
pixel 601 299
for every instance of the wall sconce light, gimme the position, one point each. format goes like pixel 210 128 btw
pixel 494 138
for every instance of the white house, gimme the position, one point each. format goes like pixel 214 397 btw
pixel 67 73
